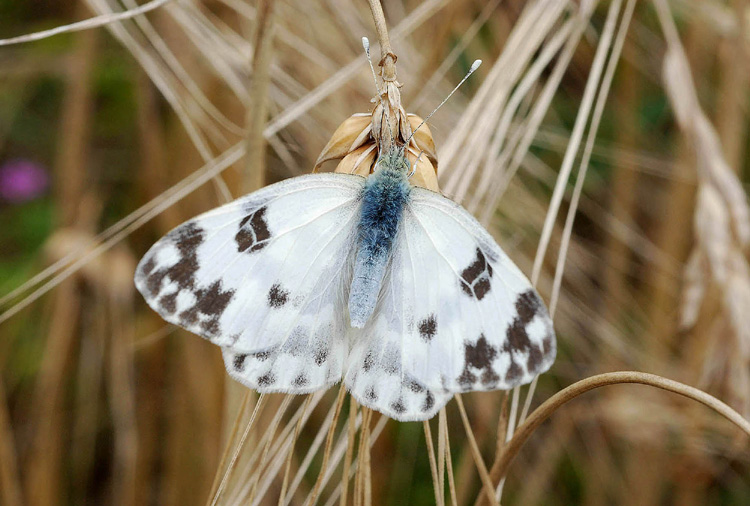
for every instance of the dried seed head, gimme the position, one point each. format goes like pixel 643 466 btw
pixel 357 142
pixel 350 135
pixel 360 161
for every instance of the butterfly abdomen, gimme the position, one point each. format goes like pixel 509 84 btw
pixel 385 194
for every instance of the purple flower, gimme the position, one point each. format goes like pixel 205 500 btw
pixel 22 180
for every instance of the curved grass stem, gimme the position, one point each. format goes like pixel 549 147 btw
pixel 526 429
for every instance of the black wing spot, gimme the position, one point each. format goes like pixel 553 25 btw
pixel 186 239
pixel 277 296
pixel 148 266
pixel 239 362
pixel 368 362
pixel 213 301
pixel 211 327
pixel 478 357
pixel 300 381
pixel 371 395
pixel 398 406
pixel 428 328
pixel 547 344
pixel 429 402
pixel 267 379
pixel 262 356
pixel 528 305
pixel 534 360
pixel 514 372
pixel 320 356
pixel 168 303
pixel 189 317
pixel 518 340
pixel 475 279
pixel 414 386
pixel 253 233
pixel 210 302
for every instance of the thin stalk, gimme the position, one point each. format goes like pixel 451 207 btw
pixel 290 453
pixel 232 434
pixel 388 59
pixel 329 444
pixel 433 464
pixel 258 406
pixel 526 429
pixel 349 451
pixel 85 24
pixel 257 112
pixel 489 489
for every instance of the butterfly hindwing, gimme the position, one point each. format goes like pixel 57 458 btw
pixel 298 367
pixel 376 378
pixel 264 276
pixel 455 314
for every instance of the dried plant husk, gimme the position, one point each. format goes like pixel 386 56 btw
pixel 425 174
pixel 360 161
pixel 357 142
pixel 423 139
pixel 349 136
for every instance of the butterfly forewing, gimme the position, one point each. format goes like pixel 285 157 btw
pixel 455 313
pixel 263 275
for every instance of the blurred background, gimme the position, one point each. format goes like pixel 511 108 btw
pixel 604 144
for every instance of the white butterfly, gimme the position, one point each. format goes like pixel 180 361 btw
pixel 396 289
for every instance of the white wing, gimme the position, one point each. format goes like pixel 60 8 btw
pixel 265 277
pixel 376 377
pixel 455 314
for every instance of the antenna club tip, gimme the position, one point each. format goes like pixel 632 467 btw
pixel 366 43
pixel 475 65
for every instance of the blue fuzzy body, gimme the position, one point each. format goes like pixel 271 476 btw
pixel 385 194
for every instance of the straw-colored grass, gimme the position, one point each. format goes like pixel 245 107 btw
pixel 604 144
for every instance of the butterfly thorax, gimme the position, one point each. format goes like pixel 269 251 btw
pixel 383 198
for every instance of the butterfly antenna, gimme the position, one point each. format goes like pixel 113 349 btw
pixel 473 67
pixel 366 45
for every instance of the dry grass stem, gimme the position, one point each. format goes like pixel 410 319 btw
pixel 489 489
pixel 255 166
pixel 270 432
pixel 230 439
pixel 290 453
pixel 547 408
pixel 388 59
pixel 352 432
pixel 280 450
pixel 576 136
pixel 258 407
pixel 361 476
pixel 86 24
pixel 312 451
pixel 327 450
pixel 439 493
